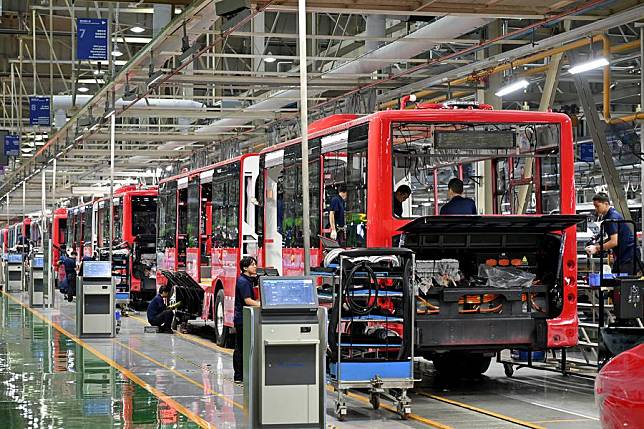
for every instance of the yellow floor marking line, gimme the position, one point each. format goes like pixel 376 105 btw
pixel 180 374
pixel 135 378
pixel 387 407
pixel 189 337
pixel 481 411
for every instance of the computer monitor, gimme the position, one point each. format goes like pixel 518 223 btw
pixel 97 269
pixel 14 258
pixel 288 293
pixel 38 261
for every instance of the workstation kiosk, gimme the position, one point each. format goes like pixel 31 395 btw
pixel 14 272
pixel 36 286
pixel 95 300
pixel 284 355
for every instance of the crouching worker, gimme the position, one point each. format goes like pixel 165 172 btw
pixel 158 313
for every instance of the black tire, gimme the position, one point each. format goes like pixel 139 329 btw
pixel 461 364
pixel 222 332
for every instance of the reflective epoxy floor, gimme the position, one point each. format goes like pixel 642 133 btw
pixel 160 380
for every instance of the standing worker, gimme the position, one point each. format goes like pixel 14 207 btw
pixel 243 297
pixel 158 313
pixel 620 237
pixel 338 207
pixel 70 274
pixel 458 205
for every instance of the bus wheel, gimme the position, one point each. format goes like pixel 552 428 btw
pixel 221 331
pixel 469 365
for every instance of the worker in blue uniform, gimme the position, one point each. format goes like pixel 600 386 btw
pixel 620 238
pixel 158 313
pixel 69 286
pixel 337 209
pixel 244 296
pixel 458 205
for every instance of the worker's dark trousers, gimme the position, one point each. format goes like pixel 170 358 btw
pixel 238 355
pixel 163 320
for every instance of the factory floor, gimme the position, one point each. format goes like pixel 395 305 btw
pixel 50 378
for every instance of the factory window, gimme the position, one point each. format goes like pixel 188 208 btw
pixel 192 230
pixel 167 215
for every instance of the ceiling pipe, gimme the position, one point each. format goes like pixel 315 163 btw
pixel 65 102
pixel 607 50
pixel 444 28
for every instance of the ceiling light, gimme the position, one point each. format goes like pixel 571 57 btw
pixel 178 11
pixel 270 59
pixel 98 72
pixel 83 89
pixel 589 65
pixel 116 52
pixel 137 29
pixel 515 86
pixel 92 80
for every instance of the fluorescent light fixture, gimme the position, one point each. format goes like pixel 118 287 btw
pixel 132 39
pixel 514 86
pixel 589 65
pixel 270 58
pixel 79 137
pixel 83 89
pixel 137 29
pixel 116 52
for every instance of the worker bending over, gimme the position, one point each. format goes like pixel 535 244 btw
pixel 458 205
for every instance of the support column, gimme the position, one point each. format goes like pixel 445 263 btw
pixel 596 129
pixel 641 121
pixel 161 17
pixel 304 127
pixel 485 192
pixel 258 43
pixel 547 99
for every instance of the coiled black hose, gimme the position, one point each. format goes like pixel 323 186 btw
pixel 349 288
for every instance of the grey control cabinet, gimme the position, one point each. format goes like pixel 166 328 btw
pixel 95 300
pixel 284 363
pixel 36 286
pixel 14 272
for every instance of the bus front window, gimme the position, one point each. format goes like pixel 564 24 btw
pixel 505 168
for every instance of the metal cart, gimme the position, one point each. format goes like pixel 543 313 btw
pixel 371 344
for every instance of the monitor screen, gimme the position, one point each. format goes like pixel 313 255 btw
pixel 14 258
pixel 38 261
pixel 288 292
pixel 97 269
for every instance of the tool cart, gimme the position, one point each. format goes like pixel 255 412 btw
pixel 371 321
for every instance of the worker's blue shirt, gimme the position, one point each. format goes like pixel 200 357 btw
pixel 625 239
pixel 459 206
pixel 243 290
pixel 69 264
pixel 155 307
pixel 338 208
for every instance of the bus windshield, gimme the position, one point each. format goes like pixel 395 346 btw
pixel 523 160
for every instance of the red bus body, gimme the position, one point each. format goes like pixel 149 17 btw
pixel 134 211
pixel 205 227
pixel 382 227
pixel 362 151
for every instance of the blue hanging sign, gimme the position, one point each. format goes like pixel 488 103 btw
pixel 586 152
pixel 91 34
pixel 39 111
pixel 12 145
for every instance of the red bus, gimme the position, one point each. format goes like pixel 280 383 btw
pixel 134 256
pixel 206 224
pixel 79 228
pixel 511 162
